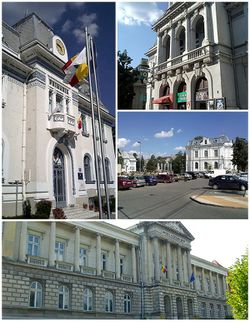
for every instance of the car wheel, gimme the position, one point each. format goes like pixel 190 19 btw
pixel 215 186
pixel 242 188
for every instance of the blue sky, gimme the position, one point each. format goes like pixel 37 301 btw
pixel 68 20
pixel 167 133
pixel 134 27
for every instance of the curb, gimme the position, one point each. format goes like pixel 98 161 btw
pixel 214 205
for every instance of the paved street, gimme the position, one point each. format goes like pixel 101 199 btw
pixel 173 201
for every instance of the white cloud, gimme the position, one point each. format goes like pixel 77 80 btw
pixel 136 144
pixel 122 142
pixel 165 134
pixel 133 151
pixel 138 13
pixel 180 148
pixel 67 26
pixel 179 131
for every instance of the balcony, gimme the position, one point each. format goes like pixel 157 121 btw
pixel 204 54
pixel 61 123
pixel 88 270
pixel 107 274
pixel 126 278
pixel 64 266
pixel 36 260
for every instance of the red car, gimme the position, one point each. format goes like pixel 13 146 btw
pixel 165 178
pixel 124 183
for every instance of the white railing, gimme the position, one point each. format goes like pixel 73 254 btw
pixel 64 266
pixel 87 270
pixel 36 260
pixel 107 274
pixel 191 56
pixel 61 122
pixel 126 278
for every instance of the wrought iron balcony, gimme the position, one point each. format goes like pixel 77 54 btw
pixel 61 122
pixel 204 54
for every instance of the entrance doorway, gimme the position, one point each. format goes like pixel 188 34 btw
pixel 201 94
pixel 181 96
pixel 59 178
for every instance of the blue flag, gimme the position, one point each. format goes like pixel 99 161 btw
pixel 192 278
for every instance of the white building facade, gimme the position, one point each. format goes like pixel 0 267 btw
pixel 200 58
pixel 129 162
pixel 203 154
pixel 43 148
pixel 97 270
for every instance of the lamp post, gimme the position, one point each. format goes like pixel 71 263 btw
pixel 140 156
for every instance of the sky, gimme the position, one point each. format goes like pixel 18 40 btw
pixel 222 240
pixel 68 20
pixel 134 27
pixel 167 133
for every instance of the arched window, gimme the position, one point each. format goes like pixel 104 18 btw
pixel 127 303
pixel 216 165
pixel 190 309
pixel 167 306
pixel 179 308
pixel 201 93
pixel 107 169
pixel 167 48
pixel 196 165
pixel 63 297
pixel 199 32
pixel 87 168
pixel 36 292
pixel 100 168
pixel 109 302
pixel 182 41
pixel 87 300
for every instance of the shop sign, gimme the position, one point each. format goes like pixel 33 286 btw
pixel 220 103
pixel 201 95
pixel 181 97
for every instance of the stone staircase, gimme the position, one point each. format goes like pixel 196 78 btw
pixel 77 212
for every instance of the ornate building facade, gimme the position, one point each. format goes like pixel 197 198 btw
pixel 200 58
pixel 97 270
pixel 45 153
pixel 203 154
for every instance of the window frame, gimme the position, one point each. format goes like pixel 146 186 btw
pixel 33 245
pixel 38 295
pixel 87 299
pixel 65 297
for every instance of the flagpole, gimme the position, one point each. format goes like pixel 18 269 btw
pixel 93 128
pixel 100 128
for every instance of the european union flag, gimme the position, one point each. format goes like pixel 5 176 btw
pixel 192 278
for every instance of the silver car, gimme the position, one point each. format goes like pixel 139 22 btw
pixel 138 181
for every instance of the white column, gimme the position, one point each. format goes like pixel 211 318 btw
pixel 172 43
pixel 180 267
pixel 211 282
pixel 195 276
pixel 159 48
pixel 53 101
pixel 218 284
pixel 144 259
pixel 203 280
pixel 117 259
pixel 156 260
pixel 187 35
pixel 23 241
pixel 185 271
pixel 52 242
pixel 189 266
pixel 224 285
pixel 169 263
pixel 77 249
pixel 98 255
pixel 134 264
pixel 208 25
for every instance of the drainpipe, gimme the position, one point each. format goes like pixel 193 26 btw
pixel 24 122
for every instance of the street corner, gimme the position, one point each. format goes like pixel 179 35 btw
pixel 228 200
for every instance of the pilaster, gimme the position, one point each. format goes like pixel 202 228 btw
pixel 98 254
pixel 52 242
pixel 23 241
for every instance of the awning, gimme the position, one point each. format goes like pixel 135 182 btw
pixel 162 100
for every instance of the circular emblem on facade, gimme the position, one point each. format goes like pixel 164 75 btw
pixel 60 47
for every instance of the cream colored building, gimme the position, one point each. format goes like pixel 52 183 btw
pixel 200 59
pixel 97 270
pixel 42 147
pixel 203 154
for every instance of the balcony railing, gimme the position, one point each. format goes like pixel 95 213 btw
pixel 87 270
pixel 190 57
pixel 126 278
pixel 61 122
pixel 36 260
pixel 64 266
pixel 107 274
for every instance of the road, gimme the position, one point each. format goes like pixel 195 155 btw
pixel 172 201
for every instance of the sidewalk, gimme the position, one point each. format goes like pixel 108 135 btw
pixel 230 200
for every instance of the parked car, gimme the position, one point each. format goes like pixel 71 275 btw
pixel 193 174
pixel 150 180
pixel 243 176
pixel 124 183
pixel 176 177
pixel 228 182
pixel 164 178
pixel 137 181
pixel 187 176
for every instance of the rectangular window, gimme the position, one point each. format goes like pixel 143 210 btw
pixel 59 104
pixel 200 281
pixel 59 251
pixel 205 153
pixel 196 154
pixel 83 256
pixel 203 309
pixel 122 265
pixel 33 245
pixel 216 153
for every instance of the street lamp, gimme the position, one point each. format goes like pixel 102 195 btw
pixel 140 156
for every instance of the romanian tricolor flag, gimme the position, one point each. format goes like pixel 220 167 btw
pixel 76 69
pixel 164 268
pixel 79 122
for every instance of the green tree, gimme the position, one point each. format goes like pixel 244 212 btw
pixel 120 158
pixel 237 294
pixel 151 165
pixel 179 162
pixel 127 76
pixel 240 153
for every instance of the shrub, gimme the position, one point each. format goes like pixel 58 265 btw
pixel 43 207
pixel 26 209
pixel 58 213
